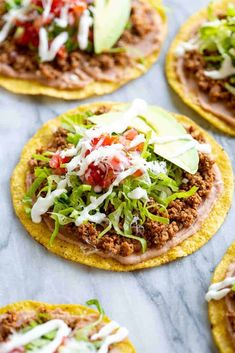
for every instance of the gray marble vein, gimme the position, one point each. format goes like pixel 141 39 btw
pixel 164 308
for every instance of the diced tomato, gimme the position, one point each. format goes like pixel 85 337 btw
pixel 79 9
pixel 56 7
pixel 115 163
pixel 95 175
pixel 130 134
pixel 138 148
pixel 107 140
pixel 138 173
pixel 37 2
pixel 62 53
pixel 29 34
pixel 56 162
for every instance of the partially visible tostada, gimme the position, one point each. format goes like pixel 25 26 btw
pixel 73 49
pixel 200 64
pixel 221 298
pixel 63 328
pixel 122 186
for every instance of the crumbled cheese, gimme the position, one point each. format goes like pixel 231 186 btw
pixel 138 193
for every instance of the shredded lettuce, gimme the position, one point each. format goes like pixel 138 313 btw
pixel 230 88
pixel 181 195
pixel 83 333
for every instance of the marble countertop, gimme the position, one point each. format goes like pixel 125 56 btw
pixel 164 308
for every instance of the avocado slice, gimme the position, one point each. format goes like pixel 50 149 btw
pixel 161 123
pixel 110 19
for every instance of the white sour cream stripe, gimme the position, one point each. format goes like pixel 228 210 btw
pixel 227 69
pixel 47 8
pixel 119 336
pixel 105 331
pixel 46 53
pixel 43 204
pixel 20 339
pixel 63 20
pixel 219 290
pixel 85 23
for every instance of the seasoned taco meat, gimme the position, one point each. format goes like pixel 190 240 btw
pixel 77 68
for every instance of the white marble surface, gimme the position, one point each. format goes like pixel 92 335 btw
pixel 163 308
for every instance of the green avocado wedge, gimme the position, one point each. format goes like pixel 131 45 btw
pixel 110 19
pixel 161 123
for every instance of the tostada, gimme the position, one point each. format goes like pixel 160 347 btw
pixel 201 64
pixel 221 298
pixel 122 186
pixel 72 49
pixel 64 328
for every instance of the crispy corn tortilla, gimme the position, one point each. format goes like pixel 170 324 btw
pixel 41 232
pixel 75 309
pixel 217 309
pixel 95 88
pixel 185 34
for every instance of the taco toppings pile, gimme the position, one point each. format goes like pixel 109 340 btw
pixel 69 44
pixel 52 329
pixel 127 183
pixel 205 63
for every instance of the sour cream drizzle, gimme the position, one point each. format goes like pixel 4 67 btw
pixel 227 69
pixel 219 290
pixel 21 339
pixel 43 204
pixel 83 30
pixel 63 20
pixel 119 336
pixel 46 53
pixel 47 8
pixel 70 345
